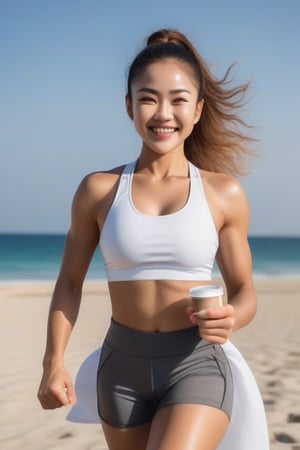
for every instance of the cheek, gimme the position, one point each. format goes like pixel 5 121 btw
pixel 188 116
pixel 142 114
pixel 140 120
pixel 188 111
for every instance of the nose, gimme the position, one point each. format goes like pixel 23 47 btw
pixel 163 111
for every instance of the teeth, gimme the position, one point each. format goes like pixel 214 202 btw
pixel 163 130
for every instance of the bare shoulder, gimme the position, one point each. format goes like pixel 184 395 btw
pixel 227 193
pixel 224 186
pixel 99 184
pixel 95 194
pixel 221 183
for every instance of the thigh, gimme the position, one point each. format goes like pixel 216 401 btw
pixel 187 427
pixel 133 438
pixel 203 377
pixel 124 390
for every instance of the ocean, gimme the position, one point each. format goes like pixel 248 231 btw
pixel 38 256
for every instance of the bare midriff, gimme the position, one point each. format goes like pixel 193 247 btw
pixel 152 305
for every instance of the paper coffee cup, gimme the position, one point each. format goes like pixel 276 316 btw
pixel 206 296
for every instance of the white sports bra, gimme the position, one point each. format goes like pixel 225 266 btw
pixel 177 246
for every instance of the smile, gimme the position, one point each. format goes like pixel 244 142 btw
pixel 161 130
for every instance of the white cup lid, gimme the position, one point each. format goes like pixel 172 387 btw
pixel 206 291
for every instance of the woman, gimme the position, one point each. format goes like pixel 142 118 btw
pixel 164 381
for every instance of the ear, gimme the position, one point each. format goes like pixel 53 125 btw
pixel 198 112
pixel 129 107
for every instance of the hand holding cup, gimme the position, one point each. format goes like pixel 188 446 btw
pixel 214 319
pixel 206 297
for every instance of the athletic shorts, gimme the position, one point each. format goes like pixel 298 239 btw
pixel 140 372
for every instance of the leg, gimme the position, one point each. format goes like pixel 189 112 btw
pixel 132 438
pixel 187 427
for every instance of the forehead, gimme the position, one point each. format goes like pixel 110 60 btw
pixel 167 74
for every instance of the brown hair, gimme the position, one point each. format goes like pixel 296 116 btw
pixel 217 142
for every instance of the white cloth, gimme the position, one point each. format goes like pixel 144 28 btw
pixel 247 429
pixel 86 409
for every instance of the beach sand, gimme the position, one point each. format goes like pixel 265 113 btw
pixel 271 345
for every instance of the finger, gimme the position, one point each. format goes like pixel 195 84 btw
pixel 201 314
pixel 216 336
pixel 215 339
pixel 221 332
pixel 70 393
pixel 214 323
pixel 191 313
pixel 49 402
pixel 225 311
pixel 62 396
pixel 56 397
pixel 217 313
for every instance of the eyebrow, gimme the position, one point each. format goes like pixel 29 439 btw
pixel 173 91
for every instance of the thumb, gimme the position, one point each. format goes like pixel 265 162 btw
pixel 201 314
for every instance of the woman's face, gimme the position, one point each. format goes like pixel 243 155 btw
pixel 164 105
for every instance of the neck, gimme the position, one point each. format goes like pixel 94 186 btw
pixel 162 166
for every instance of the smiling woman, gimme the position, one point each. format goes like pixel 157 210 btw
pixel 164 380
pixel 164 105
pixel 218 142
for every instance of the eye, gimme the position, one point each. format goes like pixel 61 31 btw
pixel 147 100
pixel 180 100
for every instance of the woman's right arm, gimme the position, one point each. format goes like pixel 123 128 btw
pixel 56 388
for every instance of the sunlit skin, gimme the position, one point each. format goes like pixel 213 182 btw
pixel 164 108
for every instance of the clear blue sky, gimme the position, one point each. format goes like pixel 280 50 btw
pixel 62 88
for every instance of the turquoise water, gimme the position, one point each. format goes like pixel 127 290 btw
pixel 37 257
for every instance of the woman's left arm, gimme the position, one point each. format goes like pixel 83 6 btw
pixel 234 256
pixel 234 261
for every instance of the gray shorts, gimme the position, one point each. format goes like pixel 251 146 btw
pixel 140 372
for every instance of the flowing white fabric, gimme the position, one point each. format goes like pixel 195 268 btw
pixel 247 429
pixel 86 409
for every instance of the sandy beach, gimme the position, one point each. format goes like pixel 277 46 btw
pixel 271 345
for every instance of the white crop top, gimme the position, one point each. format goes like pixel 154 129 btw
pixel 177 246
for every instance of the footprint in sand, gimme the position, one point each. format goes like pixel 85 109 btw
pixel 285 438
pixel 66 435
pixel 293 418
